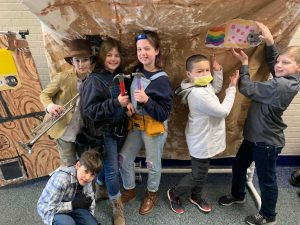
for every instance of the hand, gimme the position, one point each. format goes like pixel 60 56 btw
pixel 140 96
pixel 240 55
pixel 56 110
pixel 234 78
pixel 266 34
pixel 214 62
pixel 130 110
pixel 82 202
pixel 123 100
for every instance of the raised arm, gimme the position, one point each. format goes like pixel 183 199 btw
pixel 217 74
pixel 271 49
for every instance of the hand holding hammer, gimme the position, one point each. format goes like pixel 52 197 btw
pixel 123 97
pixel 139 94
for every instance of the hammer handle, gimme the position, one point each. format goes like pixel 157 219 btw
pixel 122 88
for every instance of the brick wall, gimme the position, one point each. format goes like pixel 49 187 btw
pixel 292 117
pixel 296 39
pixel 14 16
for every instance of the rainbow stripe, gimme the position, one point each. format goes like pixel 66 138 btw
pixel 215 36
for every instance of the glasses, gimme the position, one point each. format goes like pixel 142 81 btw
pixel 141 37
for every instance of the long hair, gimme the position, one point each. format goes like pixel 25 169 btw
pixel 154 40
pixel 106 46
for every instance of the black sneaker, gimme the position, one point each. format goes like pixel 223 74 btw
pixel 227 200
pixel 202 204
pixel 175 203
pixel 259 219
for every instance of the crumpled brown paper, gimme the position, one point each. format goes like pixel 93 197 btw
pixel 182 26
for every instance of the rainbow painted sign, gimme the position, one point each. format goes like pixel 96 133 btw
pixel 237 33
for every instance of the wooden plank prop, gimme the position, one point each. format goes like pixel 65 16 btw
pixel 182 27
pixel 20 112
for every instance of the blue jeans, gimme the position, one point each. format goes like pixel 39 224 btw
pixel 75 217
pixel 110 171
pixel 154 146
pixel 265 157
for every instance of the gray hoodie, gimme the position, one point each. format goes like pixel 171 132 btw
pixel 269 100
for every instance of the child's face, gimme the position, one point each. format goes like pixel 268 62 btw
pixel 200 69
pixel 82 65
pixel 112 60
pixel 83 175
pixel 146 53
pixel 286 65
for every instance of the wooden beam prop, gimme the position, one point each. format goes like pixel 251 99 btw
pixel 20 112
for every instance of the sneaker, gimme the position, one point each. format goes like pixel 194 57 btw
pixel 295 178
pixel 259 219
pixel 201 203
pixel 227 200
pixel 175 203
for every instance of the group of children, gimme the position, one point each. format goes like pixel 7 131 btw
pixel 68 195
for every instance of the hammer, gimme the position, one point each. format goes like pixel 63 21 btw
pixel 121 77
pixel 139 86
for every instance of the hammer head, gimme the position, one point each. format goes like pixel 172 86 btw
pixel 121 77
pixel 138 74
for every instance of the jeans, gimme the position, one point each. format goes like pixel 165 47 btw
pixel 67 152
pixel 110 171
pixel 154 145
pixel 265 157
pixel 195 180
pixel 75 217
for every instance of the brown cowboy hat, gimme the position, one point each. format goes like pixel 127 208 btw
pixel 79 48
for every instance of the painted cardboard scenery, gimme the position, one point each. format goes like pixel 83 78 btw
pixel 20 112
pixel 237 33
pixel 182 27
pixel 9 78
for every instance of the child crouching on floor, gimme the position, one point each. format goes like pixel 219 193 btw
pixel 68 197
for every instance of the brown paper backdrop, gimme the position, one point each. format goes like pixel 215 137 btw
pixel 20 111
pixel 182 25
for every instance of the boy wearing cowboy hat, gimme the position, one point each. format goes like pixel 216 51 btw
pixel 61 90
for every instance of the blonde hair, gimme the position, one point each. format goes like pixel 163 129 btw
pixel 292 51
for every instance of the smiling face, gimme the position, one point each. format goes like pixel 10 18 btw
pixel 200 69
pixel 286 65
pixel 81 64
pixel 146 54
pixel 83 175
pixel 112 60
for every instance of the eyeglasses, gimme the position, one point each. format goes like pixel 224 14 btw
pixel 141 37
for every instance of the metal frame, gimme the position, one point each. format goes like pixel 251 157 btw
pixel 250 173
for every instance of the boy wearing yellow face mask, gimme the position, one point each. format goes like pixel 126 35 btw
pixel 205 131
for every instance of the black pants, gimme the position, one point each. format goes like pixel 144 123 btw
pixel 195 180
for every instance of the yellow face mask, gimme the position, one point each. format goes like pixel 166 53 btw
pixel 202 81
